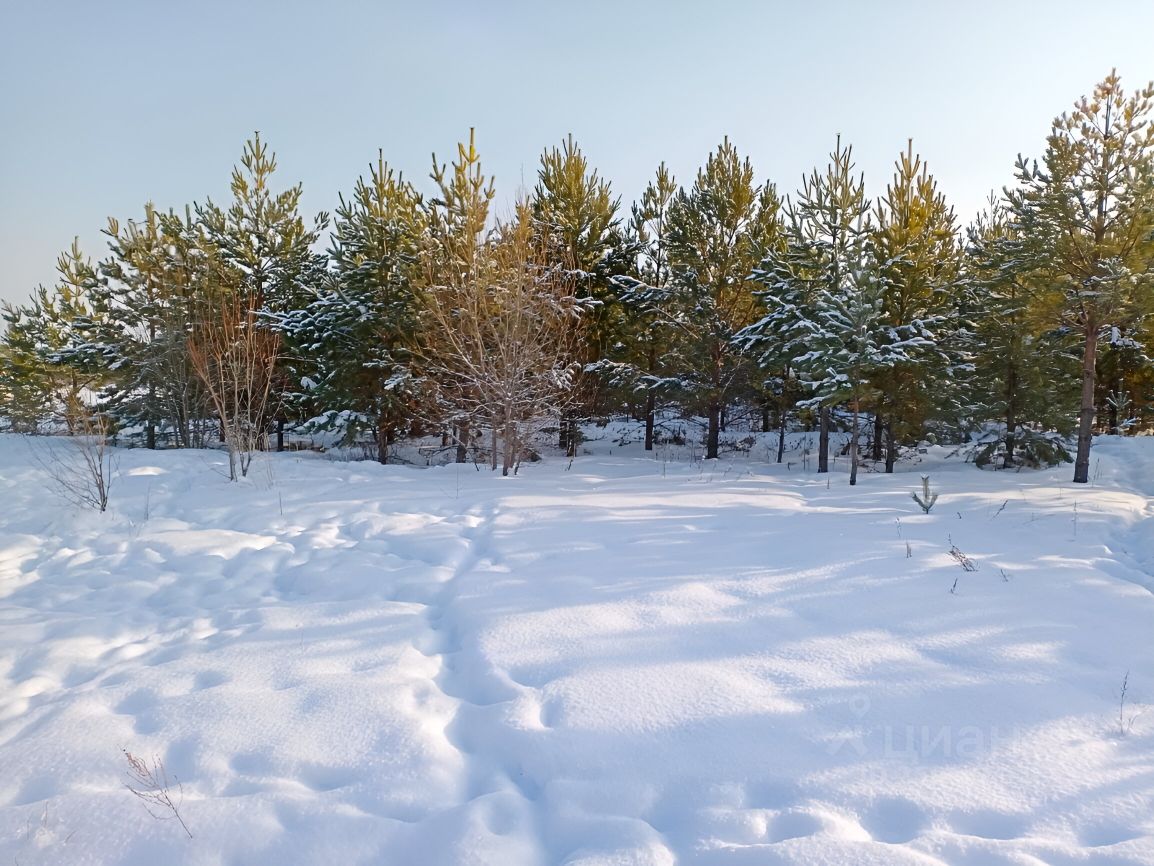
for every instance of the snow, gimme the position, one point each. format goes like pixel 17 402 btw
pixel 632 661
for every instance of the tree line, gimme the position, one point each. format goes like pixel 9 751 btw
pixel 714 298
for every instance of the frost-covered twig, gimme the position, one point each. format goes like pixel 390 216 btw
pixel 964 561
pixel 1125 725
pixel 927 499
pixel 151 785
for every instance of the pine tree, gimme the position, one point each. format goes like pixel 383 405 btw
pixel 52 357
pixel 1026 369
pixel 8 386
pixel 353 342
pixel 575 217
pixel 916 243
pixel 263 252
pixel 824 230
pixel 261 235
pixel 131 298
pixel 192 278
pixel 640 360
pixel 32 384
pixel 147 296
pixel 851 346
pixel 718 231
pixel 575 213
pixel 453 260
pixel 1125 389
pixel 1087 217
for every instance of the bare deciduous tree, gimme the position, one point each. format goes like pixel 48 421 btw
pixel 82 468
pixel 502 336
pixel 235 355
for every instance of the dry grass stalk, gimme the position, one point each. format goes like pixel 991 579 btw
pixel 149 783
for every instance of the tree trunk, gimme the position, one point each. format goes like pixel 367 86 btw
pixel 563 435
pixel 650 412
pixel 781 416
pixel 878 433
pixel 1086 414
pixel 510 454
pixel 280 435
pixel 150 428
pixel 462 441
pixel 721 419
pixel 1011 414
pixel 853 447
pixel 713 430
pixel 823 440
pixel 184 425
pixel 891 447
pixel 382 439
pixel 493 449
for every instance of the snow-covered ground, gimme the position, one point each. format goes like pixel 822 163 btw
pixel 630 661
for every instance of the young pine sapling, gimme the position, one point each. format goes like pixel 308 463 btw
pixel 927 498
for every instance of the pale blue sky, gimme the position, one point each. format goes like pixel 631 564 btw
pixel 106 105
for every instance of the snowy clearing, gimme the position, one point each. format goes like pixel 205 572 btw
pixel 629 662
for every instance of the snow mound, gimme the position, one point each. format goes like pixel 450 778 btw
pixel 635 661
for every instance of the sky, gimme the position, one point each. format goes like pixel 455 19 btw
pixel 105 106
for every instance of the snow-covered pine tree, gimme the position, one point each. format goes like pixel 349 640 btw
pixel 262 252
pixel 53 359
pixel 129 295
pixel 851 345
pixel 1087 216
pixel 32 384
pixel 719 230
pixel 776 339
pixel 575 218
pixel 261 234
pixel 823 230
pixel 916 243
pixel 352 343
pixel 639 359
pixel 147 301
pixel 1026 369
pixel 1125 391
pixel 7 388
pixel 192 276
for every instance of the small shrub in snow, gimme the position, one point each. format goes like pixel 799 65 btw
pixel 961 559
pixel 82 466
pixel 1125 723
pixel 1030 448
pixel 150 784
pixel 927 498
